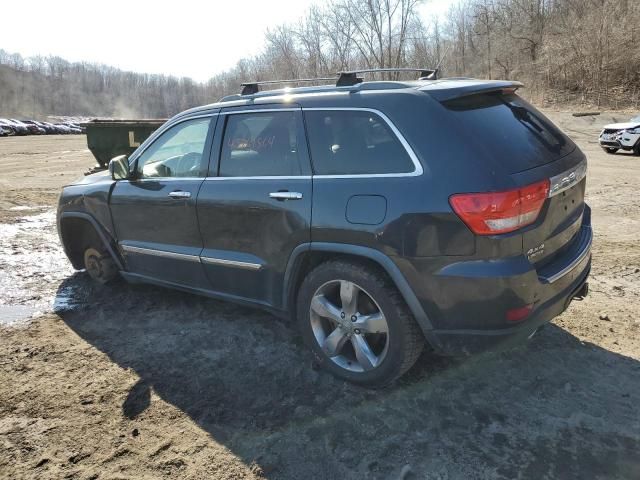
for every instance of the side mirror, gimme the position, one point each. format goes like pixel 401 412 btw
pixel 119 167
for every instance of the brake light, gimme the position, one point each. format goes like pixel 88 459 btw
pixel 492 213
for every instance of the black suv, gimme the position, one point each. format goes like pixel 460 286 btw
pixel 380 215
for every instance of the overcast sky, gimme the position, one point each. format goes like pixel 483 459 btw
pixel 189 38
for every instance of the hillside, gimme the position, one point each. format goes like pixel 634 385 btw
pixel 567 52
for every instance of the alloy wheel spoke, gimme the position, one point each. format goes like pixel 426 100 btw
pixel 349 297
pixel 333 344
pixel 374 323
pixel 366 358
pixel 324 308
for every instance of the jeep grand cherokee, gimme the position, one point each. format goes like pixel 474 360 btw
pixel 382 216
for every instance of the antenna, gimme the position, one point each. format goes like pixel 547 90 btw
pixel 434 74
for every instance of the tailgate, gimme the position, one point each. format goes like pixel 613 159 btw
pixel 560 223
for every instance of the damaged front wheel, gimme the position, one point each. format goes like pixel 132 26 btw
pixel 99 265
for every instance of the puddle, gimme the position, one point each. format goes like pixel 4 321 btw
pixel 32 266
pixel 15 314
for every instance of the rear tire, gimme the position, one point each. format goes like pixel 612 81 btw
pixel 374 337
pixel 611 151
pixel 636 148
pixel 99 265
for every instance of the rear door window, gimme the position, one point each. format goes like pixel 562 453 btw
pixel 354 142
pixel 517 134
pixel 260 144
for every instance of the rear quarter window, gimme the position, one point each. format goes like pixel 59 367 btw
pixel 353 142
pixel 520 136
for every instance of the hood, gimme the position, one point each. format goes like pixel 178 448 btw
pixel 622 126
pixel 101 176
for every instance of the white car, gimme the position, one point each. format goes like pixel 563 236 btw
pixel 625 136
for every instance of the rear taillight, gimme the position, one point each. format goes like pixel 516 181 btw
pixel 500 212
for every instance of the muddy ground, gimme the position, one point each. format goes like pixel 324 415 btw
pixel 139 382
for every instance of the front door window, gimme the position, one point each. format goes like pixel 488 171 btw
pixel 178 152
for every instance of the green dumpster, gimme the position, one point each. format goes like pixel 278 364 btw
pixel 109 138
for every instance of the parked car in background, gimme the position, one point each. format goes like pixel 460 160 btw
pixel 75 128
pixel 419 235
pixel 51 127
pixel 48 128
pixel 8 126
pixel 54 128
pixel 62 128
pixel 621 136
pixel 33 127
pixel 18 127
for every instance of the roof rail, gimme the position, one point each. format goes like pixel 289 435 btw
pixel 344 78
pixel 251 88
pixel 348 78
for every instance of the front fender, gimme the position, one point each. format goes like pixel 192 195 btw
pixel 105 238
pixel 89 201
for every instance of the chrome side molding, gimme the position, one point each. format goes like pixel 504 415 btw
pixel 191 258
pixel 159 253
pixel 231 263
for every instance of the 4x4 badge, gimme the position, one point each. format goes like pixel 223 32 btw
pixel 535 251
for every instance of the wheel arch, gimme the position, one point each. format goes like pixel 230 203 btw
pixel 75 230
pixel 307 256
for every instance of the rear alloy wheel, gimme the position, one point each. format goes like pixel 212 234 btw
pixel 353 340
pixel 99 265
pixel 357 324
pixel 611 150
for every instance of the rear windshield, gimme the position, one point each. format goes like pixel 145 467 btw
pixel 517 134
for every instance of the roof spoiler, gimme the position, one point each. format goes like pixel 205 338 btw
pixel 448 90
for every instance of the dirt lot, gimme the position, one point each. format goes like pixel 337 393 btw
pixel 138 382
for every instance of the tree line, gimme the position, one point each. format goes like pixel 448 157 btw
pixel 565 51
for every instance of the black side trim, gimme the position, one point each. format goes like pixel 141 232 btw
pixel 99 230
pixel 137 278
pixel 380 258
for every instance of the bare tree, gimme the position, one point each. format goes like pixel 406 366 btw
pixel 564 50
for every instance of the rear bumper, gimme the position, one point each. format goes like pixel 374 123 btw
pixel 468 310
pixel 468 341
